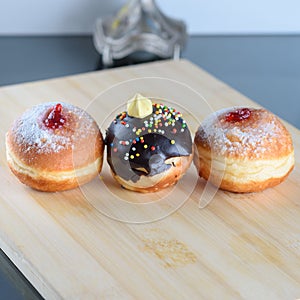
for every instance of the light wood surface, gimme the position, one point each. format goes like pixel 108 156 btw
pixel 70 245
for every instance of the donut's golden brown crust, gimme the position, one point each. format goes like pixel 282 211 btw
pixel 51 185
pixel 251 187
pixel 54 160
pixel 257 153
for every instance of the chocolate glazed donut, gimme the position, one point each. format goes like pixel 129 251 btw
pixel 149 147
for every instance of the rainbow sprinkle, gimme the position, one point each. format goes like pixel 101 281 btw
pixel 158 122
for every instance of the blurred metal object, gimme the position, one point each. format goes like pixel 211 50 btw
pixel 139 26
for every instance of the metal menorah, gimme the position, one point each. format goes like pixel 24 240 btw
pixel 139 26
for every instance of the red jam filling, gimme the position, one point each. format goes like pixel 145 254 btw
pixel 55 119
pixel 238 115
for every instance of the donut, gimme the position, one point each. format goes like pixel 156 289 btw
pixel 54 147
pixel 243 150
pixel 149 146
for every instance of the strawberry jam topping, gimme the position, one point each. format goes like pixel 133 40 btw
pixel 55 119
pixel 238 115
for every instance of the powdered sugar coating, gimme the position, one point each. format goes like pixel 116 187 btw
pixel 30 133
pixel 261 135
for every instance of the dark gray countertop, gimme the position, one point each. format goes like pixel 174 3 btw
pixel 264 68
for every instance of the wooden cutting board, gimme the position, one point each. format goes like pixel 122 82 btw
pixel 101 242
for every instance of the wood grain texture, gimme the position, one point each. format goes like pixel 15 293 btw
pixel 238 247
